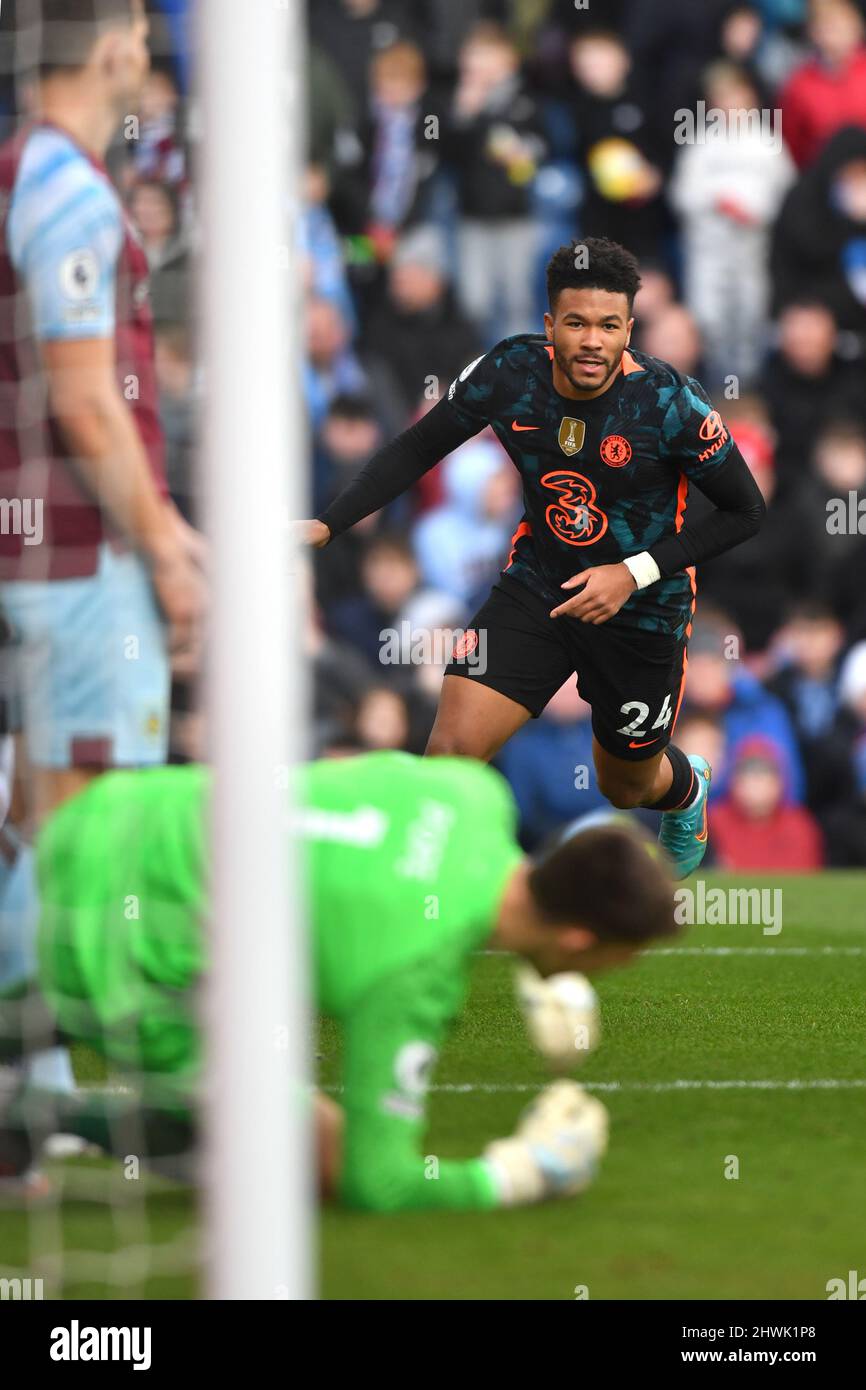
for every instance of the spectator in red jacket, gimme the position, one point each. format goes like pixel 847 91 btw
pixel 754 828
pixel 828 91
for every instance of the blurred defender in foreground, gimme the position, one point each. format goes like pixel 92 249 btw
pixel 97 572
pixel 412 866
pixel 109 580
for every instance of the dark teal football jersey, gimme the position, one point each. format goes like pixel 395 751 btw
pixel 603 479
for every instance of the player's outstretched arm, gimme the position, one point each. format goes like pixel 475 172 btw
pixel 392 471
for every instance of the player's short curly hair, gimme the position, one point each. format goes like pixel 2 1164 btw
pixel 611 878
pixel 593 263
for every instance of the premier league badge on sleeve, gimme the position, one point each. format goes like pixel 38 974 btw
pixel 79 275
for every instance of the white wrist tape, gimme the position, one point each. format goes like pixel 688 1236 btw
pixel 644 569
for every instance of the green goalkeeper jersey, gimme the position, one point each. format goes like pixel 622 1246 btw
pixel 406 861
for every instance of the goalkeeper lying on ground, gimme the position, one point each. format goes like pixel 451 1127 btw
pixel 412 865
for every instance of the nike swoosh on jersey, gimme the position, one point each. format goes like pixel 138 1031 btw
pixel 519 429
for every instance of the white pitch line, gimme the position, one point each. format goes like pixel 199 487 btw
pixel 467 1088
pixel 663 1086
pixel 756 951
pixel 735 951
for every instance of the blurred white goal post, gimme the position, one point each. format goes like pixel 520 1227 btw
pixel 252 60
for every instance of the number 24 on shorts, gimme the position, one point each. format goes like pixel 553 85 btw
pixel 636 728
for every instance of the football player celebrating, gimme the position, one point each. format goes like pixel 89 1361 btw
pixel 413 865
pixel 600 580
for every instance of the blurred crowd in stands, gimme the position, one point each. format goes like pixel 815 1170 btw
pixel 452 148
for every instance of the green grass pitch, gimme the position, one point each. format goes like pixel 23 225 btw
pixel 663 1220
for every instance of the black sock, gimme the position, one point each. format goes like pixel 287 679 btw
pixel 119 1124
pixel 683 785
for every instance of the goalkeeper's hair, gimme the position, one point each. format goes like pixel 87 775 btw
pixel 593 263
pixel 63 32
pixel 608 878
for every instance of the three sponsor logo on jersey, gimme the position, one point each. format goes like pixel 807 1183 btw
pixel 575 518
